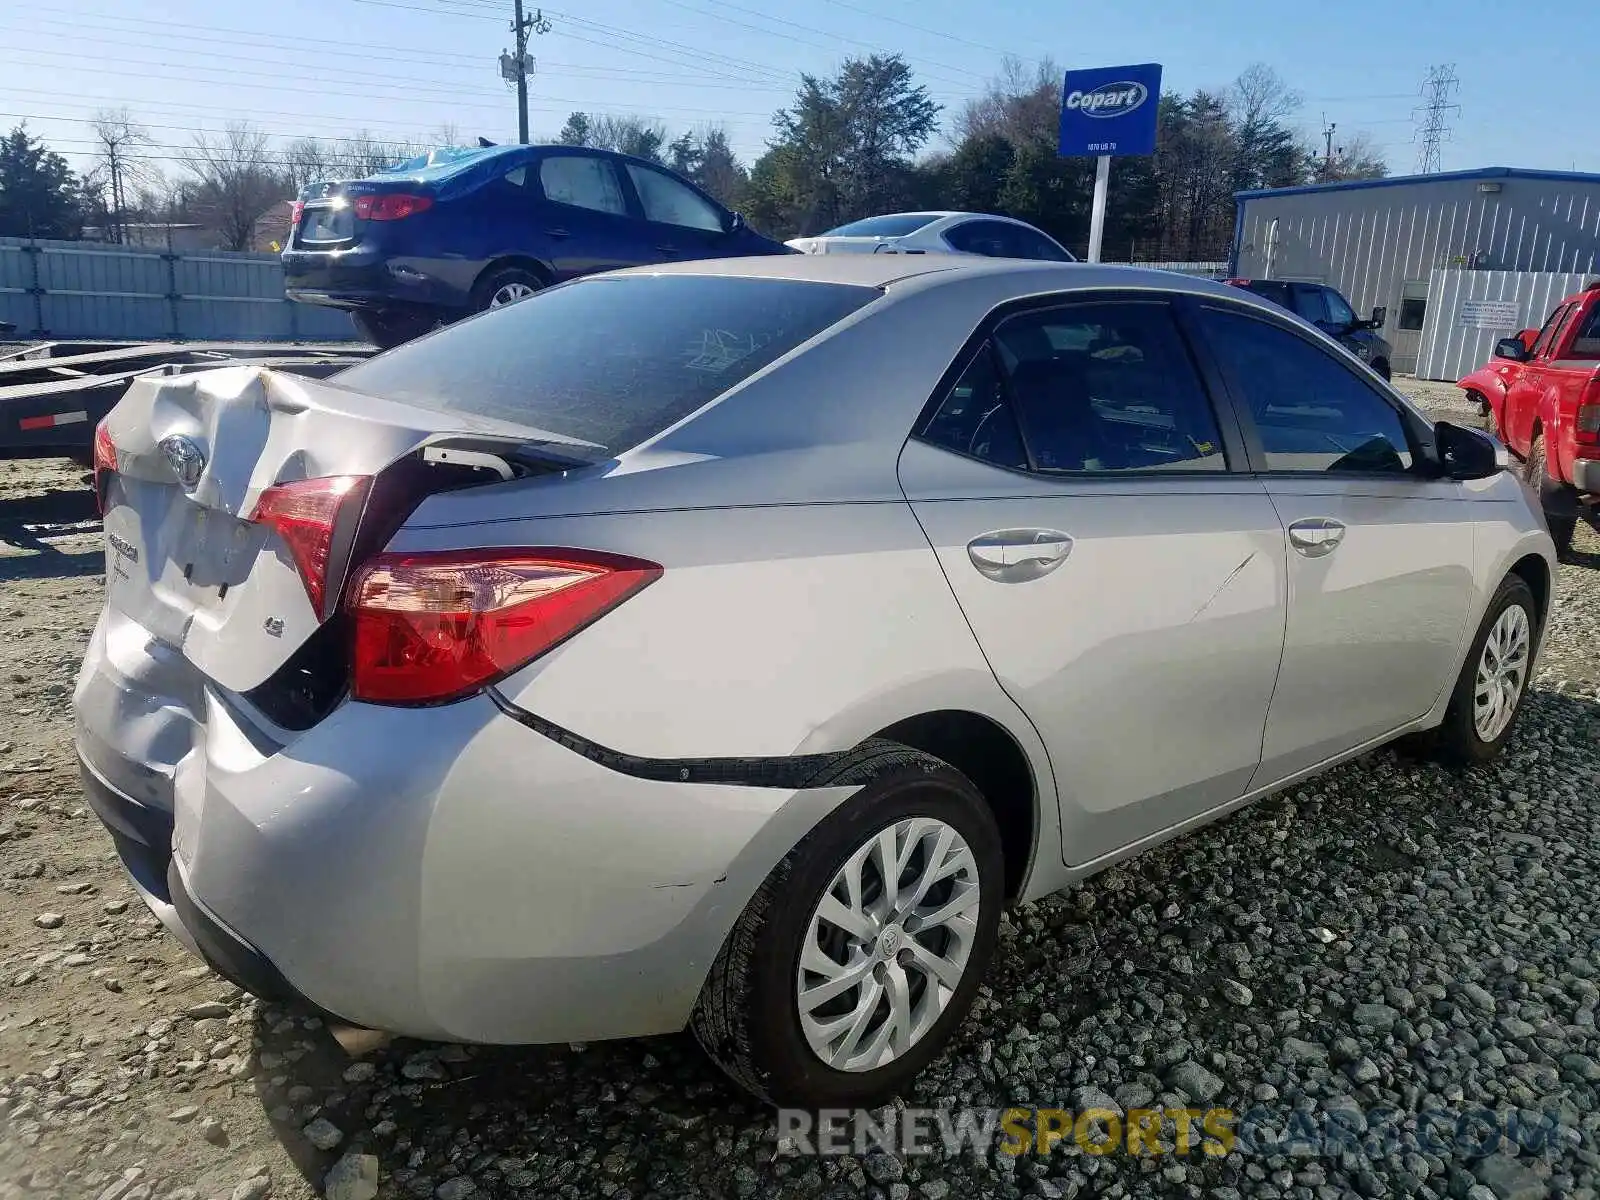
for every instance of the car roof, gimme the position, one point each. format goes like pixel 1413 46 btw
pixel 903 271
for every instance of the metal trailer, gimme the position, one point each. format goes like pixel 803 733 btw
pixel 1379 241
pixel 53 394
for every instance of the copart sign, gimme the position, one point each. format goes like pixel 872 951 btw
pixel 1110 110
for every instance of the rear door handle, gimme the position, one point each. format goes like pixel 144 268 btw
pixel 558 233
pixel 1018 555
pixel 1316 537
pixel 667 249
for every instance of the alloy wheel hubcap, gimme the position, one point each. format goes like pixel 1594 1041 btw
pixel 1502 673
pixel 887 945
pixel 510 293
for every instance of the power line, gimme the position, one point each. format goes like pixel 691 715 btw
pixel 407 55
pixel 1433 128
pixel 949 37
pixel 390 88
pixel 812 29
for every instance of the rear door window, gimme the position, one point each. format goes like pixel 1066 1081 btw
pixel 612 361
pixel 1546 336
pixel 989 238
pixel 1587 342
pixel 1028 243
pixel 1088 388
pixel 1310 304
pixel 583 181
pixel 1269 289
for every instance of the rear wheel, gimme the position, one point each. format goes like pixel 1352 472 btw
pixel 1559 500
pixel 1494 679
pixel 387 329
pixel 859 956
pixel 506 286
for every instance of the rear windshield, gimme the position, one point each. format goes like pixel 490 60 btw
pixel 1272 289
pixel 894 225
pixel 610 361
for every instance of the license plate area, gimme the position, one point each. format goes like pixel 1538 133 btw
pixel 325 224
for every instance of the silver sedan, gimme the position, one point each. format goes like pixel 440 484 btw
pixel 724 645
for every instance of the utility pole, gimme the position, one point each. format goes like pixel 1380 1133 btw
pixel 515 69
pixel 1327 151
pixel 1433 116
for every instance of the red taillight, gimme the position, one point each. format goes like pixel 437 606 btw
pixel 436 626
pixel 312 516
pixel 1586 431
pixel 296 211
pixel 105 464
pixel 392 206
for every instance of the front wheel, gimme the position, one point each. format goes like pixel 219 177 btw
pixel 1489 691
pixel 856 960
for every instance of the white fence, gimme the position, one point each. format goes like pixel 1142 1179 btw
pixel 1458 335
pixel 66 290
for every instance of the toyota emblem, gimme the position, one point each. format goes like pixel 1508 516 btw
pixel 185 458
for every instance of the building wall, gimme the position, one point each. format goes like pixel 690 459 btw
pixel 1380 243
pixel 1458 340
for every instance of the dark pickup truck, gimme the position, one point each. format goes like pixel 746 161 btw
pixel 1330 312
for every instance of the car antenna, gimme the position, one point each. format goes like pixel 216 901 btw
pixel 484 143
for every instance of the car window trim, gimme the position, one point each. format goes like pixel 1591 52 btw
pixel 1234 448
pixel 1424 456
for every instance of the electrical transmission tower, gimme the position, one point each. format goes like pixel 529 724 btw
pixel 1433 115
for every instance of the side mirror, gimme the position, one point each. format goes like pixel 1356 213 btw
pixel 1379 316
pixel 1469 453
pixel 1513 348
pixel 735 222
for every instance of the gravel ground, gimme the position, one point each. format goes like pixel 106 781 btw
pixel 1389 934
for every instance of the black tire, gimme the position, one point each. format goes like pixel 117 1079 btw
pixel 747 1017
pixel 1456 741
pixel 483 295
pixel 1381 366
pixel 1559 500
pixel 386 329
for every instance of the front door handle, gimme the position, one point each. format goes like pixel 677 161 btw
pixel 667 249
pixel 1316 537
pixel 1018 555
pixel 558 233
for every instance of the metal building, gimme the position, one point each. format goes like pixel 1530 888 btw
pixel 1380 240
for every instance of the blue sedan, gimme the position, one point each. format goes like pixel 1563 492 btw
pixel 455 232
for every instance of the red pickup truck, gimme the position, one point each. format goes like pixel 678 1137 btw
pixel 1543 391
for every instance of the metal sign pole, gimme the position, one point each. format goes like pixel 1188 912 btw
pixel 1097 215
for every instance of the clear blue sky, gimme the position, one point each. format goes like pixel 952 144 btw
pixel 405 68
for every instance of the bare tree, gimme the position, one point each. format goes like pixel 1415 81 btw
pixel 1022 104
pixel 1358 158
pixel 1260 96
pixel 120 169
pixel 362 154
pixel 236 183
pixel 306 161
